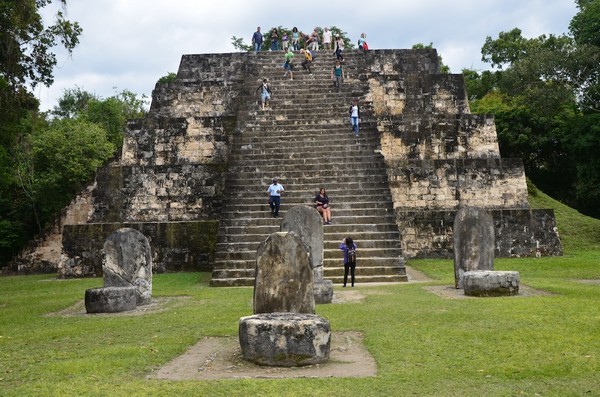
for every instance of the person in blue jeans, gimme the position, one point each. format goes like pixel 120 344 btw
pixel 274 39
pixel 257 40
pixel 355 117
pixel 274 194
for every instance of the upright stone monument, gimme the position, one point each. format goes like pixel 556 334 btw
pixel 284 279
pixel 473 242
pixel 127 271
pixel 307 223
pixel 128 262
pixel 284 331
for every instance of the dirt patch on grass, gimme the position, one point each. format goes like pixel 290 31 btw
pixel 449 292
pixel 157 305
pixel 588 281
pixel 221 358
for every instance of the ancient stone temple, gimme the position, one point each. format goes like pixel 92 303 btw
pixel 193 174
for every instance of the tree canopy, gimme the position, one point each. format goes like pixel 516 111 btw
pixel 545 94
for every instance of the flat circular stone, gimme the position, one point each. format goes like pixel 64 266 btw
pixel 110 299
pixel 491 283
pixel 285 339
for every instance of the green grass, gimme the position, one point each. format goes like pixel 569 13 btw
pixel 424 345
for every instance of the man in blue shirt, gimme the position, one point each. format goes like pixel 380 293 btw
pixel 257 39
pixel 274 191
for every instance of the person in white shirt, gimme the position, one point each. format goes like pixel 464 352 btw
pixel 274 195
pixel 327 38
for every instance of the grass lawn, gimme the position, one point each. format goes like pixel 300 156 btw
pixel 424 345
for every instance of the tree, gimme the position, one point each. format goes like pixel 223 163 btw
pixel 26 60
pixel 26 56
pixel 111 113
pixel 64 157
pixel 546 99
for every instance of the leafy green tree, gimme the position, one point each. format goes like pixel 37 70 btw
pixel 546 99
pixel 169 78
pixel 26 60
pixel 111 113
pixel 64 157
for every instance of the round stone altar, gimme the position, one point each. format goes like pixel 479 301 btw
pixel 491 283
pixel 110 299
pixel 285 339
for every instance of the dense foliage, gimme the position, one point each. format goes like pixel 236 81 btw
pixel 545 95
pixel 45 159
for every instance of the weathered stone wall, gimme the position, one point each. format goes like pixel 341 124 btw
pixel 173 169
pixel 176 246
pixel 519 233
pixel 446 184
pixel 438 137
pixel 440 157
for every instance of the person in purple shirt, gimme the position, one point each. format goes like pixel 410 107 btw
pixel 349 247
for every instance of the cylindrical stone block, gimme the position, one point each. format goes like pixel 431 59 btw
pixel 323 291
pixel 110 299
pixel 285 339
pixel 491 283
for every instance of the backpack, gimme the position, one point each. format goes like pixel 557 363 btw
pixel 351 255
pixel 312 55
pixel 365 46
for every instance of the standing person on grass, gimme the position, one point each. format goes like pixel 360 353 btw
pixel 274 194
pixel 349 248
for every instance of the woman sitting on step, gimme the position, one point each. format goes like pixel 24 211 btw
pixel 322 202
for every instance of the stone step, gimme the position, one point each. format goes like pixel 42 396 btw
pixel 339 216
pixel 328 244
pixel 360 279
pixel 329 273
pixel 240 263
pixel 274 226
pixel 337 221
pixel 262 166
pixel 294 186
pixel 348 159
pixel 337 204
pixel 333 237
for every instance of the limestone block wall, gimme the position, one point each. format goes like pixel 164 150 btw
pixel 518 233
pixel 176 246
pixel 172 171
pixel 440 157
pixel 438 137
pixel 447 184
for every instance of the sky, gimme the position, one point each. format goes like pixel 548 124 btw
pixel 130 44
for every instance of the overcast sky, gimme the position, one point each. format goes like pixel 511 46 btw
pixel 130 44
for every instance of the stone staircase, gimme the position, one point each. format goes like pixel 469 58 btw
pixel 306 141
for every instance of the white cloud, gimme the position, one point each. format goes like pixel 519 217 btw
pixel 130 44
